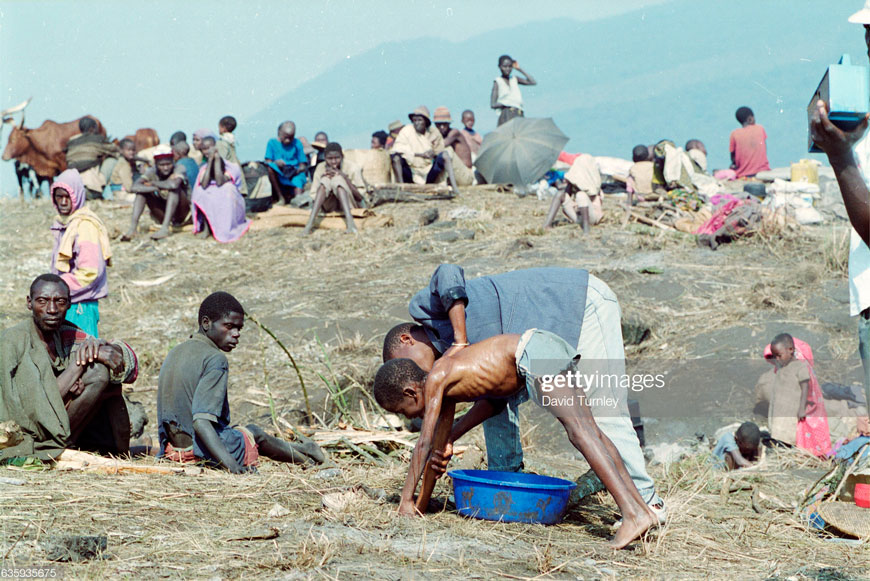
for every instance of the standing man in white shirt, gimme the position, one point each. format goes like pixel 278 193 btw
pixel 849 155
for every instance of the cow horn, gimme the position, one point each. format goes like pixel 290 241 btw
pixel 16 108
pixel 22 120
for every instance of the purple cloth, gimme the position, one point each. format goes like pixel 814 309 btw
pixel 222 206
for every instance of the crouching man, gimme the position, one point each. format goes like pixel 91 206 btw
pixel 61 385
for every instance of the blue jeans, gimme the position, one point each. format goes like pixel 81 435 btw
pixel 600 344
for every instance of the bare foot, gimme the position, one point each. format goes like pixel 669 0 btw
pixel 309 447
pixel 203 234
pixel 160 234
pixel 632 528
pixel 128 236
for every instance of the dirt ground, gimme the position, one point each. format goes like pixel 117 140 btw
pixel 331 297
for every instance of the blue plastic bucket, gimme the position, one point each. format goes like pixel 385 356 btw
pixel 510 496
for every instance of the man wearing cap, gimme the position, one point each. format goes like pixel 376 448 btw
pixel 849 155
pixel 421 157
pixel 459 146
pixel 287 163
pixel 393 131
pixel 164 189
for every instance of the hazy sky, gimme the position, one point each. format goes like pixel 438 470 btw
pixel 184 64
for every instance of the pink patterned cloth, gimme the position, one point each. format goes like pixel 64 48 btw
pixel 712 225
pixel 813 434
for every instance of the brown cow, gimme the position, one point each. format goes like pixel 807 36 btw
pixel 144 138
pixel 43 148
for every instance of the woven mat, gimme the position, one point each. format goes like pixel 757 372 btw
pixel 847 517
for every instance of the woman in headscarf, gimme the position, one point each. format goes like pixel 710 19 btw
pixel 81 251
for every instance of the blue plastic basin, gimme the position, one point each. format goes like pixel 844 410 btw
pixel 510 496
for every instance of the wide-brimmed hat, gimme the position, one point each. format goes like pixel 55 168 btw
pixel 441 115
pixel 863 15
pixel 161 151
pixel 421 110
pixel 394 125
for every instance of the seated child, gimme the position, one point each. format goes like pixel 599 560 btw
pixel 125 172
pixel 640 175
pixel 193 412
pixel 487 373
pixel 739 449
pixel 334 187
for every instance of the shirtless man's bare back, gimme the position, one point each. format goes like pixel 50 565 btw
pixel 486 373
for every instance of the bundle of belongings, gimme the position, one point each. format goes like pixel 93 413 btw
pixel 830 503
pixel 735 217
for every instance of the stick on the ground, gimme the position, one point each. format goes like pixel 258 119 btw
pixel 442 433
pixel 292 361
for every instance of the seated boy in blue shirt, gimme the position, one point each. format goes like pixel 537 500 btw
pixel 193 411
pixel 740 449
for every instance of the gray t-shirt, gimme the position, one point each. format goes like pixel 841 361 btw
pixel 193 385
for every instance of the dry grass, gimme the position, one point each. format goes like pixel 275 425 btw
pixel 345 292
pixel 187 527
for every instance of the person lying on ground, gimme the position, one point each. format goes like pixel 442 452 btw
pixel 217 206
pixel 739 449
pixel 193 412
pixel 81 253
pixel 487 373
pixel 287 163
pixel 579 307
pixel 164 189
pixel 581 199
pixel 334 187
pixel 418 153
pixel 61 385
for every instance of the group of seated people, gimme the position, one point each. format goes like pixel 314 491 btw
pixel 204 181
pixel 61 386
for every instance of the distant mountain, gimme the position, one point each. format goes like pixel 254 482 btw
pixel 676 70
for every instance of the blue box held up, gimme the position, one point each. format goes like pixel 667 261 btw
pixel 846 89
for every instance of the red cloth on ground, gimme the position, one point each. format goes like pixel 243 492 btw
pixel 712 225
pixel 186 456
pixel 813 434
